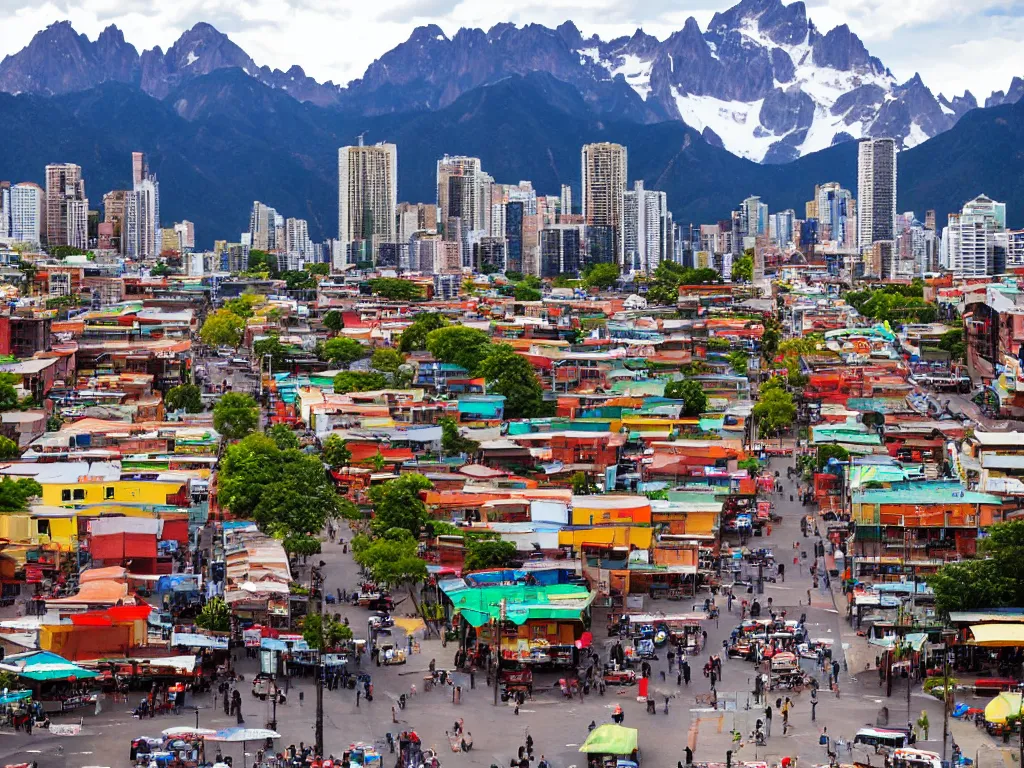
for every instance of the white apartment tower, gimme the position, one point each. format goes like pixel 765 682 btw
pixel 367 193
pixel 27 213
pixel 566 205
pixel 604 172
pixel 262 227
pixel 876 191
pixel 147 205
pixel 646 225
pixel 973 235
pixel 464 192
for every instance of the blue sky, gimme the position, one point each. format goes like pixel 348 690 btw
pixel 953 44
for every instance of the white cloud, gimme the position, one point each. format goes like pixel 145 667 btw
pixel 953 49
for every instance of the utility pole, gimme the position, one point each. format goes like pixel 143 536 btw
pixel 945 696
pixel 503 606
pixel 318 732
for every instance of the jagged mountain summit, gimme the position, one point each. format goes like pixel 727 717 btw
pixel 761 81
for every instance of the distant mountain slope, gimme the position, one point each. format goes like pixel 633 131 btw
pixel 222 140
pixel 761 81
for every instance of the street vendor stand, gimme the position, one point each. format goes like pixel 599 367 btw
pixel 56 683
pixel 612 746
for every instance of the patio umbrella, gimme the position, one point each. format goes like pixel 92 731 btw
pixel 181 730
pixel 1003 706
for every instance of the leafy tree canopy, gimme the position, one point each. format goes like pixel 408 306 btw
pixel 222 328
pixel 357 381
pixel 691 393
pixel 415 336
pixel 298 280
pixel 9 449
pixel 393 559
pixel 15 494
pixel 186 397
pixel 261 261
pixel 397 504
pixel 601 276
pixel 386 359
pixel 743 268
pixel 342 351
pixel 283 437
pixel 511 375
pixel 235 415
pixel 524 292
pixel 774 411
pixel 395 289
pixel 322 632
pixel 215 616
pixel 459 345
pixel 334 320
pixel 452 442
pixel 488 554
pixel 245 305
pixel 335 452
pixel 272 346
pixel 826 452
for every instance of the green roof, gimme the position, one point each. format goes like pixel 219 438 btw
pixel 480 605
pixel 925 492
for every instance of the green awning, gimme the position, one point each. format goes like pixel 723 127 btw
pixel 611 739
pixel 43 665
pixel 556 602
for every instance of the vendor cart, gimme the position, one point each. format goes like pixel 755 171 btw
pixel 615 675
pixel 612 746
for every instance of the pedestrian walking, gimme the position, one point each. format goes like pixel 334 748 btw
pixel 768 720
pixel 814 704
pixel 359 693
pixel 686 672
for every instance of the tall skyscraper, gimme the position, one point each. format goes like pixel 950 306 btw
pixel 186 233
pixel 604 176
pixel 560 250
pixel 876 191
pixel 67 208
pixel 463 191
pixel 147 205
pixel 27 213
pixel 262 227
pixel 753 217
pixel 646 228
pixel 5 209
pixel 367 193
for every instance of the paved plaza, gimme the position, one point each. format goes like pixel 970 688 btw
pixel 558 725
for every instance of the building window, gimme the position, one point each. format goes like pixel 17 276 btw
pixel 78 494
pixel 108 492
pixel 43 527
pixel 65 495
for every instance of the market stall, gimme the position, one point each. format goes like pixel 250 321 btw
pixel 56 683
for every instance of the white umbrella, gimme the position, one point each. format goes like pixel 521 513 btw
pixel 243 734
pixel 181 730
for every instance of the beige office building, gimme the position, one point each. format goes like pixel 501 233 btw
pixel 367 194
pixel 67 206
pixel 603 174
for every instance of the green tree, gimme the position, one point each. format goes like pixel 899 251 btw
pixel 63 251
pixel 662 295
pixel 397 504
pixel 770 339
pixel 215 616
pixel 334 321
pixel 971 585
pixel 261 261
pixel 452 442
pixel 395 289
pixel 691 393
pixel 739 361
pixel 298 280
pixel 580 484
pixel 322 632
pixel 8 393
pixel 236 415
pixel 751 464
pixel 718 344
pixel 393 559
pixel 342 351
pixel 222 328
pixel 524 292
pixel 9 449
pixel 774 411
pixel 273 347
pixel 302 546
pixel 68 301
pixel 283 437
pixel 15 494
pixel 743 268
pixel 415 336
pixel 459 345
pixel 387 360
pixel 511 375
pixel 826 452
pixel 160 270
pixel 357 381
pixel 245 305
pixel 184 397
pixel 335 452
pixel 601 276
pixel 319 268
pixel 492 553
pixel 952 341
pixel 247 469
pixel 301 501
